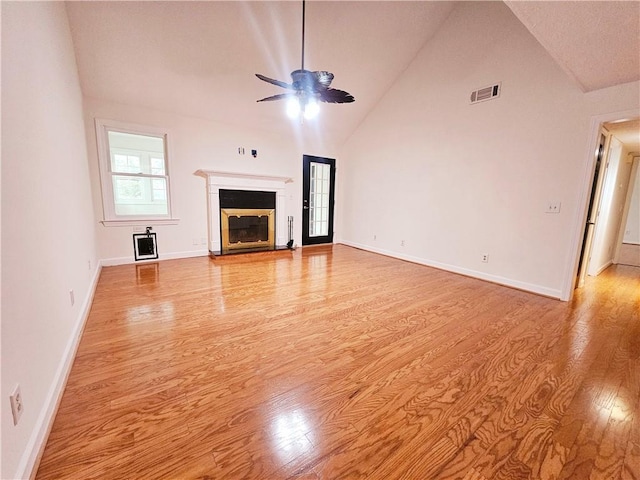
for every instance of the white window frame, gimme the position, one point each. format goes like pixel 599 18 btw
pixel 110 218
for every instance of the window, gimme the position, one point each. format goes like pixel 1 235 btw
pixel 134 174
pixel 319 199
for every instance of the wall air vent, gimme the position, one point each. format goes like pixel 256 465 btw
pixel 486 93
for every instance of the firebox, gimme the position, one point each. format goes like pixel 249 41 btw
pixel 247 229
pixel 247 220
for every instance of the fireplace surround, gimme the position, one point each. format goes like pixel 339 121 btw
pixel 218 182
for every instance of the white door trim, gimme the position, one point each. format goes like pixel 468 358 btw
pixel 571 267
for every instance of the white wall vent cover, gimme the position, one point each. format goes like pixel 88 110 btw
pixel 486 93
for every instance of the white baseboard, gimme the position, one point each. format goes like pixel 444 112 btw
pixel 508 282
pixel 603 268
pixel 110 262
pixel 27 468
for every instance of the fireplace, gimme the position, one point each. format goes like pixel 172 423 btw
pixel 219 184
pixel 247 220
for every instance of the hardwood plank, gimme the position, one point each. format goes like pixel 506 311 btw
pixel 332 362
pixel 532 454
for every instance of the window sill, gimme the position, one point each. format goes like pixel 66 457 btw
pixel 140 222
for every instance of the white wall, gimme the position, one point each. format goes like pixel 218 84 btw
pixel 195 144
pixel 632 227
pixel 47 235
pixel 456 181
pixel 614 195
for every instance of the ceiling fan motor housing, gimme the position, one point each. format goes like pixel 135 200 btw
pixel 303 80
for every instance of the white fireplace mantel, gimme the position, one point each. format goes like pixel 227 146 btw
pixel 217 180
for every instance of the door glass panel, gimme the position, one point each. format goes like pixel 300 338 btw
pixel 319 199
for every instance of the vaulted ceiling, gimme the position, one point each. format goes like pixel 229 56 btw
pixel 596 43
pixel 199 58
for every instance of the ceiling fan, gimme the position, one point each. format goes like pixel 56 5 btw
pixel 307 88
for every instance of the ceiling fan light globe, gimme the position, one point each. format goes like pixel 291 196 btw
pixel 293 108
pixel 311 110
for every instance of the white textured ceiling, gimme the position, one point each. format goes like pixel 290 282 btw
pixel 199 58
pixel 596 43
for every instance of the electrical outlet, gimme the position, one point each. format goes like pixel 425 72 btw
pixel 402 243
pixel 16 404
pixel 89 264
pixel 194 241
pixel 375 237
pixel 553 207
pixel 72 297
pixel 203 241
pixel 485 258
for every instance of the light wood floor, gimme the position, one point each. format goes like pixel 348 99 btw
pixel 331 363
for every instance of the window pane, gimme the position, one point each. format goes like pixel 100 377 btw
pixel 159 189
pixel 157 166
pixel 133 153
pixel 123 163
pixel 140 195
pixel 319 199
pixel 127 189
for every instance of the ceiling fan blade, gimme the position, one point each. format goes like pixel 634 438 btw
pixel 276 97
pixel 274 82
pixel 333 95
pixel 323 78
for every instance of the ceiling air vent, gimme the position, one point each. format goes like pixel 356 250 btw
pixel 485 93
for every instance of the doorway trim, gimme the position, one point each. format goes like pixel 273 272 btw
pixel 593 209
pixel 580 220
pixel 635 165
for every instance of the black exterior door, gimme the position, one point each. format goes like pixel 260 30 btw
pixel 318 178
